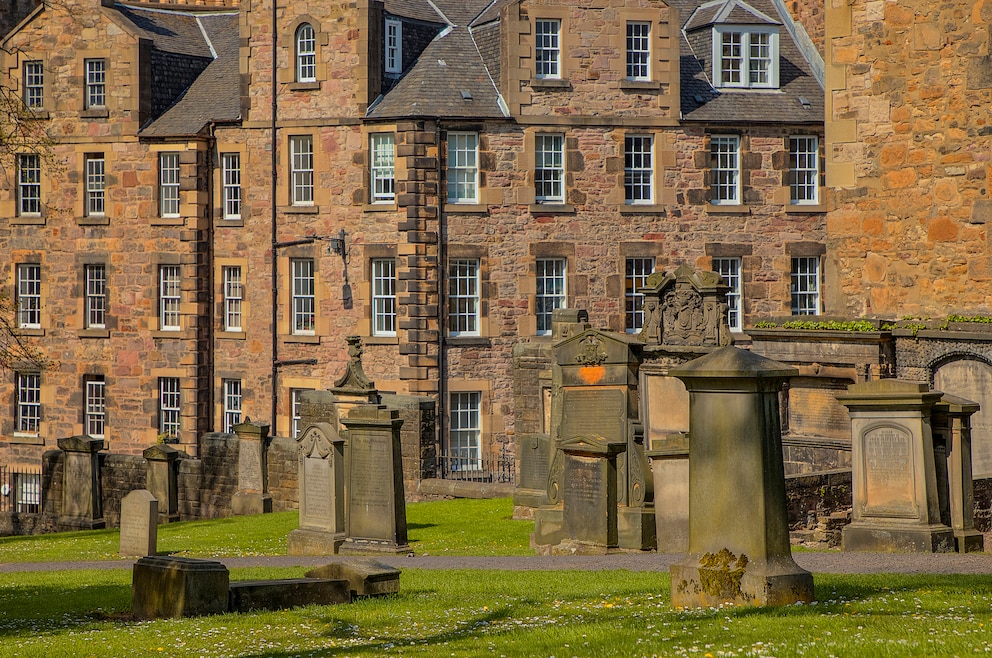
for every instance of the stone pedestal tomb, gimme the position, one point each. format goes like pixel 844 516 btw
pixel 163 479
pixel 375 515
pixel 952 431
pixel 739 549
pixel 896 504
pixel 322 520
pixel 253 495
pixel 82 495
pixel 589 499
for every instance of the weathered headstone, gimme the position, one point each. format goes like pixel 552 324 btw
pixel 670 467
pixel 322 498
pixel 365 576
pixel 139 524
pixel 82 495
pixel 896 505
pixel 163 479
pixel 739 548
pixel 253 495
pixel 375 514
pixel 589 499
pixel 534 453
pixel 178 587
pixel 952 418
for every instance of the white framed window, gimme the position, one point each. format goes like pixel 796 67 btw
pixel 306 54
pixel 551 292
pixel 169 407
pixel 28 492
pixel 96 83
pixel 34 85
pixel 463 167
pixel 28 184
pixel 806 285
pixel 635 278
pixel 28 395
pixel 730 270
pixel 96 407
pixel 301 170
pixel 95 282
pixel 638 169
pixel 725 169
pixel 29 296
pixel 804 169
pixel 745 57
pixel 638 50
pixel 383 297
pixel 232 404
pixel 383 149
pixel 549 168
pixel 168 184
pixel 394 46
pixel 233 298
pixel 463 297
pixel 296 413
pixel 96 181
pixel 465 431
pixel 304 299
pixel 231 172
pixel 169 297
pixel 547 48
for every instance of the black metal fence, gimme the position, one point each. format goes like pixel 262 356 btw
pixel 20 490
pixel 469 466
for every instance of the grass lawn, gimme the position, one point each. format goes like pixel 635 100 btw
pixel 473 613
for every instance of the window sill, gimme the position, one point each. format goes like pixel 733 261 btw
pixel 806 208
pixel 551 208
pixel 304 86
pixel 94 220
pixel 716 209
pixel 379 207
pixel 26 439
pixel 230 335
pixel 381 340
pixel 230 223
pixel 453 208
pixel 167 334
pixel 467 341
pixel 28 220
pixel 166 221
pixel 308 340
pixel 550 84
pixel 640 85
pixel 641 209
pixel 29 331
pixel 93 333
pixel 36 115
pixel 95 113
pixel 300 210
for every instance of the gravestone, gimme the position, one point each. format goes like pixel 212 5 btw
pixel 739 550
pixel 322 498
pixel 589 499
pixel 952 421
pixel 896 503
pixel 534 453
pixel 82 495
pixel 670 468
pixel 165 586
pixel 139 524
pixel 163 479
pixel 253 495
pixel 375 516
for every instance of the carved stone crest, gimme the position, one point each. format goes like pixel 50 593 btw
pixel 685 307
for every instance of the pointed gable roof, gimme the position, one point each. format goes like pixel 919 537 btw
pixel 728 12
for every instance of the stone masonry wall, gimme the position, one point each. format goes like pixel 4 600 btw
pixel 284 468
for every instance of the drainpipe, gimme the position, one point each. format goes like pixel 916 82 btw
pixel 442 329
pixel 275 233
pixel 210 356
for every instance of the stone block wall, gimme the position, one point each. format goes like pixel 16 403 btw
pixel 218 480
pixel 119 476
pixel 284 474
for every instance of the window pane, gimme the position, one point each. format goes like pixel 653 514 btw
pixel 233 298
pixel 638 51
pixel 725 169
pixel 463 168
pixel 96 83
pixel 549 168
pixel 465 431
pixel 806 286
pixel 301 174
pixel 638 171
pixel 383 151
pixel 169 184
pixel 34 85
pixel 547 53
pixel 304 300
pixel 170 297
pixel 383 297
pixel 550 291
pixel 804 169
pixel 638 271
pixel 169 407
pixel 730 270
pixel 29 296
pixel 95 181
pixel 232 404
pixel 28 393
pixel 29 184
pixel 231 166
pixel 96 408
pixel 96 296
pixel 731 58
pixel 394 46
pixel 463 297
pixel 306 58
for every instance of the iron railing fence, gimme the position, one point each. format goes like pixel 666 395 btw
pixel 20 489
pixel 471 466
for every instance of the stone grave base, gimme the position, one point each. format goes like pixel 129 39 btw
pixel 246 595
pixel 365 577
pixel 969 541
pixel 245 504
pixel 303 541
pixel 893 538
pixel 69 524
pixel 529 499
pixel 636 528
pixel 703 581
pixel 523 512
pixel 178 587
pixel 351 546
pixel 549 523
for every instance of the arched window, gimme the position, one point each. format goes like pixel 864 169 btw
pixel 306 54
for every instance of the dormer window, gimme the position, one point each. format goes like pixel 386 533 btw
pixel 394 46
pixel 745 56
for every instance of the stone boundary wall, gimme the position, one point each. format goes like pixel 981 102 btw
pixel 817 494
pixel 284 474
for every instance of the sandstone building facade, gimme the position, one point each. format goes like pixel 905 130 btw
pixel 242 188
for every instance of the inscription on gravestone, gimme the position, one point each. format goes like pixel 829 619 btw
pixel 889 473
pixel 319 507
pixel 594 412
pixel 139 524
pixel 534 462
pixel 369 499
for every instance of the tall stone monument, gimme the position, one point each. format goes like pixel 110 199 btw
pixel 253 495
pixel 739 548
pixel 82 494
pixel 322 506
pixel 896 503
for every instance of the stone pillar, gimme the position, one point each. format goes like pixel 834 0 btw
pixel 739 549
pixel 163 480
pixel 375 514
pixel 253 495
pixel 952 417
pixel 670 468
pixel 321 477
pixel 896 505
pixel 82 495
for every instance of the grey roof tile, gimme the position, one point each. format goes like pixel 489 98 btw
pixel 420 10
pixel 170 31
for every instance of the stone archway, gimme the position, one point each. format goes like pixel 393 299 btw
pixel 971 379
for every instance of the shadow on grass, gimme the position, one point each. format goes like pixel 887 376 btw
pixel 420 526
pixel 30 609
